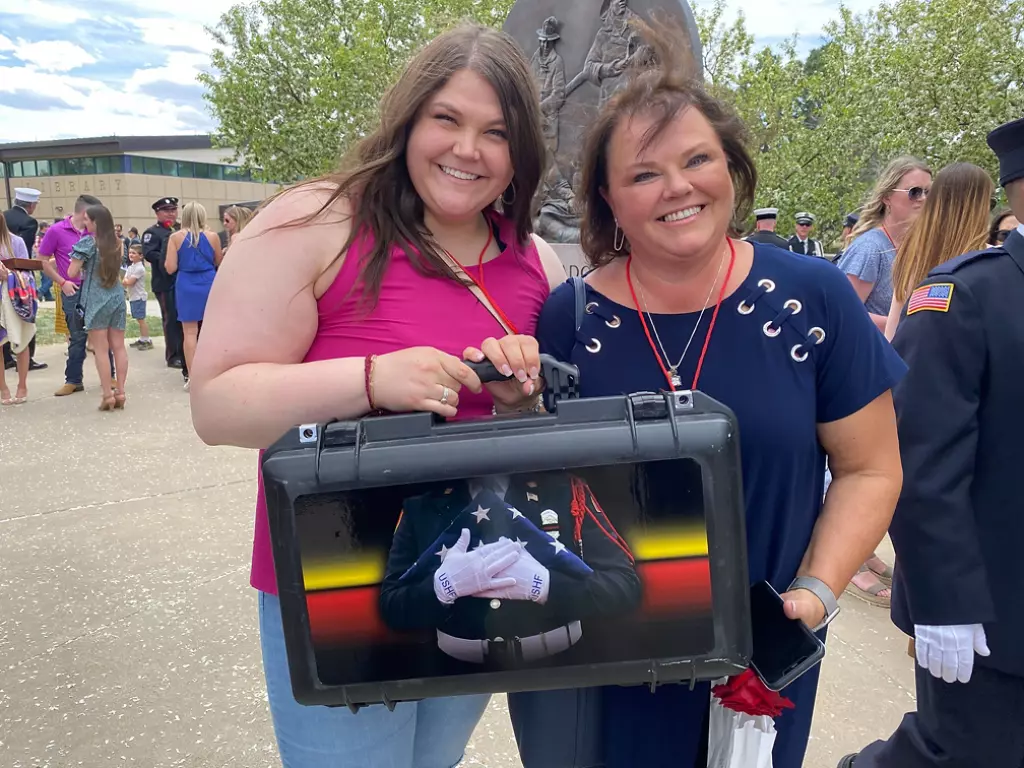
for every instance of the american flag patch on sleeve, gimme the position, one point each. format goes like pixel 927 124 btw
pixel 931 297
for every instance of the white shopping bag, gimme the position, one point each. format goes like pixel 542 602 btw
pixel 736 740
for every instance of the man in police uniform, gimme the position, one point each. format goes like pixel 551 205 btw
pixel 21 224
pixel 764 229
pixel 154 250
pixel 959 525
pixel 801 242
pixel 505 574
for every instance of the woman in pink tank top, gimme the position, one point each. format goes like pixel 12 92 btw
pixel 340 302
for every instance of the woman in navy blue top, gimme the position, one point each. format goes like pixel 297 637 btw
pixel 780 338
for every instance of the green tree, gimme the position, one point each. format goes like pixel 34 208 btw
pixel 724 47
pixel 295 82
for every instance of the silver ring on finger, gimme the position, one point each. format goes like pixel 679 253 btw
pixel 444 396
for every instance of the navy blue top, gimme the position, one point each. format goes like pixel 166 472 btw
pixel 780 388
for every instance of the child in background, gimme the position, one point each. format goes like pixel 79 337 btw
pixel 135 281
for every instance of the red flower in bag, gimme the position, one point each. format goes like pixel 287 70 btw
pixel 747 694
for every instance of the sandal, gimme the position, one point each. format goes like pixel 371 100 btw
pixel 871 594
pixel 7 400
pixel 107 403
pixel 885 575
pixel 119 399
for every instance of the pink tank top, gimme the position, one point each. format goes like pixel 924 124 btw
pixel 416 310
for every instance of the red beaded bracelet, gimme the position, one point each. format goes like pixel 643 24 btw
pixel 368 365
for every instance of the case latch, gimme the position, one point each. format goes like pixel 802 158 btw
pixel 648 405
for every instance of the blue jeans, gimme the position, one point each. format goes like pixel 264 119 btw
pixel 76 349
pixel 427 734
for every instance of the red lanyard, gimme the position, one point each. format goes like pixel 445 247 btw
pixel 711 327
pixel 889 236
pixel 480 283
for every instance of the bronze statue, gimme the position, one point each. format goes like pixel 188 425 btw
pixel 549 71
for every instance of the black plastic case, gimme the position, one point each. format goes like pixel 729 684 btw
pixel 654 475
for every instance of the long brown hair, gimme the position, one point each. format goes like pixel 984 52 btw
pixel 374 178
pixel 109 247
pixel 873 211
pixel 953 220
pixel 663 91
pixel 6 246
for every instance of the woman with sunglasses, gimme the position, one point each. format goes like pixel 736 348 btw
pixel 895 202
pixel 1003 223
pixel 954 220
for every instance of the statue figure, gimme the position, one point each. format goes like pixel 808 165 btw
pixel 549 72
pixel 609 53
pixel 557 220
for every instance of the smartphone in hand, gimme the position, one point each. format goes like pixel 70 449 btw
pixel 784 648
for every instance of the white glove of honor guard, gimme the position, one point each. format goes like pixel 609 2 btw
pixel 532 581
pixel 463 573
pixel 948 652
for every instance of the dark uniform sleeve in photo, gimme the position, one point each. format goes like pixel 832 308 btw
pixel 556 520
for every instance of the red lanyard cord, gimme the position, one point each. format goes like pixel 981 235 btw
pixel 707 338
pixel 480 283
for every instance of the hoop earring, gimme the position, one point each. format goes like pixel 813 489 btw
pixel 619 239
pixel 504 200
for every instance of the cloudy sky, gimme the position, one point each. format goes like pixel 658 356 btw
pixel 128 67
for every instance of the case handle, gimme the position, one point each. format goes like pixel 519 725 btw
pixel 562 379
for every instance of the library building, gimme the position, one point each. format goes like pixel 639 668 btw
pixel 128 173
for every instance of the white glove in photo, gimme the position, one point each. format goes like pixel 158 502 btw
pixel 463 573
pixel 948 652
pixel 532 581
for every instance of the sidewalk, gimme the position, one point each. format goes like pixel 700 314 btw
pixel 128 630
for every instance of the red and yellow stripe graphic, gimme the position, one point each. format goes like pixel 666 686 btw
pixel 672 562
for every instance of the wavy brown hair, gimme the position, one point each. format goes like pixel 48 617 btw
pixel 953 220
pixel 6 246
pixel 108 270
pixel 662 91
pixel 374 178
pixel 997 222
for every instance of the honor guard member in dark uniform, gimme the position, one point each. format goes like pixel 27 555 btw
pixel 959 525
pixel 801 242
pixel 504 569
pixel 21 224
pixel 764 229
pixel 154 250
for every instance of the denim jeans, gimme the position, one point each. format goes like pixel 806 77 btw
pixel 427 734
pixel 76 350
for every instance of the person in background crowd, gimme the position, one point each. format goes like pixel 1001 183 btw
pixel 133 236
pixel 665 170
pixel 235 219
pixel 958 528
pixel 20 223
pixel 765 220
pixel 154 247
pixel 801 242
pixel 844 239
pixel 954 220
pixel 193 255
pixel 45 283
pixel 1003 223
pixel 135 281
pixel 447 178
pixel 18 307
pixel 98 258
pixel 55 251
pixel 894 204
pixel 125 242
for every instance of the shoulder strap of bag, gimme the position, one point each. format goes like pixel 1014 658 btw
pixel 579 289
pixel 460 273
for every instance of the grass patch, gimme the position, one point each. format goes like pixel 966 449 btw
pixel 45 333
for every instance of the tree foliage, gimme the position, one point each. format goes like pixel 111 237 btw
pixel 923 77
pixel 295 82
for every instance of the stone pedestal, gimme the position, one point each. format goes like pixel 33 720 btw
pixel 572 258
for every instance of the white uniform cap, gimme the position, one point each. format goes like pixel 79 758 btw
pixel 766 213
pixel 27 194
pixel 804 218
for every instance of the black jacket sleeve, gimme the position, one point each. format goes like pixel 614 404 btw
pixel 154 247
pixel 934 529
pixel 410 605
pixel 613 588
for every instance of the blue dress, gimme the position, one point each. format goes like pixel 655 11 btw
pixel 779 397
pixel 194 279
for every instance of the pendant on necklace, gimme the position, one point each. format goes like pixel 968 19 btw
pixel 677 382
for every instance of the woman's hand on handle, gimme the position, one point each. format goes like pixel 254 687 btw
pixel 517 356
pixel 421 379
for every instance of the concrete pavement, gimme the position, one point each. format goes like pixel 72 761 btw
pixel 127 627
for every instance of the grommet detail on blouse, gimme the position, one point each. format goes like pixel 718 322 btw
pixel 769 331
pixel 793 304
pixel 744 308
pixel 591 306
pixel 615 322
pixel 817 333
pixel 594 346
pixel 797 355
pixel 800 351
pixel 766 283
